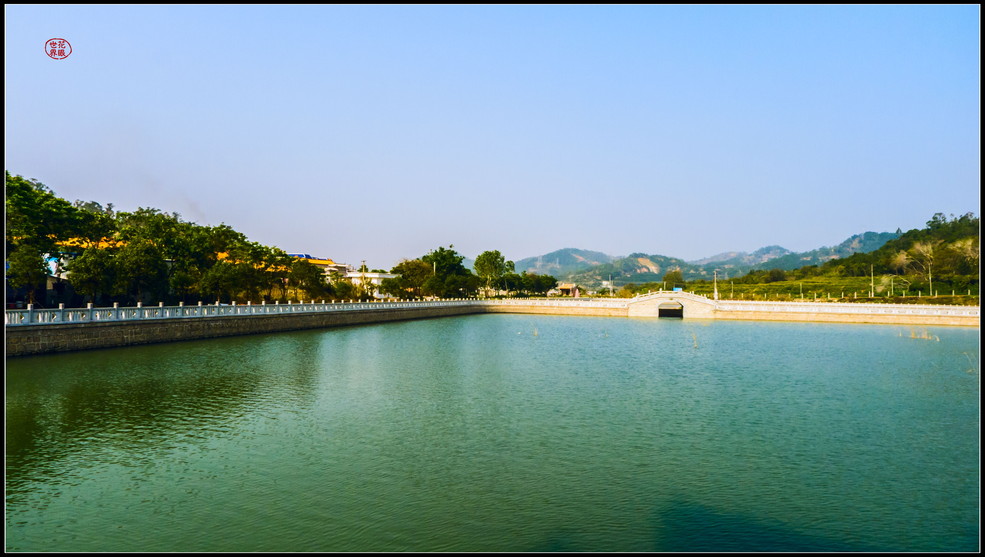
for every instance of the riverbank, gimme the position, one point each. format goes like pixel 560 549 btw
pixel 29 340
pixel 48 331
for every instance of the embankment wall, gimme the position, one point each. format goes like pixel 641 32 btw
pixel 43 339
pixel 556 310
pixel 874 319
pixel 27 340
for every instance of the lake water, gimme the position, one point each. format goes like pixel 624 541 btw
pixel 503 433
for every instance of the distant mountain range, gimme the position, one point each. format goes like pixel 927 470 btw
pixel 563 262
pixel 590 268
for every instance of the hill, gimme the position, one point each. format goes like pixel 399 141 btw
pixel 641 267
pixel 563 262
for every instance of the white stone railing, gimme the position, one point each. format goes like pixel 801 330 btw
pixel 91 314
pixel 848 308
pixel 618 303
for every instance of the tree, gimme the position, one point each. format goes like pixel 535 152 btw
pixel 449 277
pixel 93 273
pixel 394 287
pixel 36 216
pixel 923 254
pixel 445 262
pixel 37 221
pixel 674 278
pixel 626 291
pixel 307 279
pixel 967 254
pixel 491 266
pixel 776 275
pixel 512 282
pixel 538 284
pixel 899 261
pixel 26 269
pixel 344 290
pixel 95 223
pixel 413 273
pixel 141 271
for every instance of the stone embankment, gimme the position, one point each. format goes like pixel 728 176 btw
pixel 25 340
pixel 32 332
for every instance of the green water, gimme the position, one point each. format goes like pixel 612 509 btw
pixel 503 433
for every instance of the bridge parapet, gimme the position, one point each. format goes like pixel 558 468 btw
pixel 692 305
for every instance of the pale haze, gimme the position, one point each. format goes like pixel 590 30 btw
pixel 379 133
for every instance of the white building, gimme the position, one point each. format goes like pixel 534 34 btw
pixel 366 278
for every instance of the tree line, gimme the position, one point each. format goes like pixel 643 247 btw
pixel 141 256
pixel 149 256
pixel 441 273
pixel 942 257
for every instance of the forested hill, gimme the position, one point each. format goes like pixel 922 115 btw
pixel 946 247
pixel 859 243
pixel 563 262
pixel 640 267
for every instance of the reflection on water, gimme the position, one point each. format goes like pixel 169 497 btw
pixel 502 433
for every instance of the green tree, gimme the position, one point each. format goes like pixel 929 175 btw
pixel 776 275
pixel 35 216
pixel 394 287
pixel 307 279
pixel 37 222
pixel 511 282
pixel 674 278
pixel 93 273
pixel 95 223
pixel 449 278
pixel 344 290
pixel 413 273
pixel 538 284
pixel 490 266
pixel 141 271
pixel 27 269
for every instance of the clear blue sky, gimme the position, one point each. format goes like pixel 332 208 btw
pixel 381 132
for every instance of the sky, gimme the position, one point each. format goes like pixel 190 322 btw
pixel 378 133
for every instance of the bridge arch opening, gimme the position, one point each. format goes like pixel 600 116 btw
pixel 671 309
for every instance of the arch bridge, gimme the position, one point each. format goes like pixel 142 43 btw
pixel 673 304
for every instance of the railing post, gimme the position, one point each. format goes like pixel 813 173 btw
pixel 89 307
pixel 116 311
pixel 30 313
pixel 61 312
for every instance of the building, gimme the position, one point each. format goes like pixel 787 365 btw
pixel 367 279
pixel 569 289
pixel 343 271
pixel 326 265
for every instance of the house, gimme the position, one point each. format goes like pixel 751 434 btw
pixel 569 289
pixel 367 278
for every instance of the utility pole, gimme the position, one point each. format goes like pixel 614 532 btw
pixel 872 287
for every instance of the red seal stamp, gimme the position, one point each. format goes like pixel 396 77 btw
pixel 57 49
